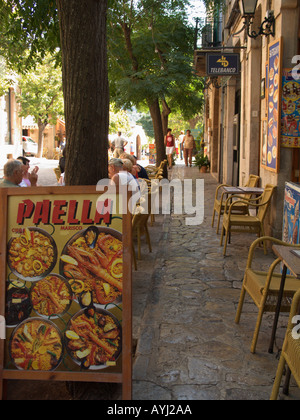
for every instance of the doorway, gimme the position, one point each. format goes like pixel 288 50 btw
pixel 236 150
pixel 236 139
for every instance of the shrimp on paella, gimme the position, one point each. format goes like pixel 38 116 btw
pixel 98 270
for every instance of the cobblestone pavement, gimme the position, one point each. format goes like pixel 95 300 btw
pixel 188 344
pixel 185 295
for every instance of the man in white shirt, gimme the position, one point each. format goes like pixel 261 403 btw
pixel 119 143
pixel 120 176
pixel 181 137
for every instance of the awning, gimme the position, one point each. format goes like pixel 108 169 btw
pixel 29 124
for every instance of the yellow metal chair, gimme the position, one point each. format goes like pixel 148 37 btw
pixel 140 227
pixel 154 172
pixel 153 195
pixel 57 173
pixel 290 354
pixel 263 287
pixel 246 223
pixel 219 202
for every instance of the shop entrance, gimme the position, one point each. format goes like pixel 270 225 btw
pixel 236 138
pixel 236 150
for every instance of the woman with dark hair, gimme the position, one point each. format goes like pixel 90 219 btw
pixel 29 179
pixel 170 146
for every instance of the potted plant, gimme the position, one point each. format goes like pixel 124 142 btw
pixel 202 162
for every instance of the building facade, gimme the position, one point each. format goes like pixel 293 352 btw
pixel 10 127
pixel 252 118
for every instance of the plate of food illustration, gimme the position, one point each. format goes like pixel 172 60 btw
pixel 32 254
pixel 92 262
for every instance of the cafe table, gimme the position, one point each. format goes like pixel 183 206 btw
pixel 243 190
pixel 290 262
pixel 231 191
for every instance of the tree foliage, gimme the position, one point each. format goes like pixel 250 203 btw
pixel 41 95
pixel 151 58
pixel 28 25
pixel 214 6
pixel 150 45
pixel 150 52
pixel 118 120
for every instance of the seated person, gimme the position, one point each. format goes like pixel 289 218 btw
pixel 13 174
pixel 62 161
pixel 142 173
pixel 29 179
pixel 134 170
pixel 119 173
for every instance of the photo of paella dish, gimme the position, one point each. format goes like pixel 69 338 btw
pixel 93 339
pixel 32 254
pixel 92 261
pixel 51 296
pixel 36 344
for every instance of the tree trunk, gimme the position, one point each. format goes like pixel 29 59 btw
pixel 165 116
pixel 158 130
pixel 85 85
pixel 41 127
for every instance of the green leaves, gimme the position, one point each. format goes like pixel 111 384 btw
pixel 151 53
pixel 41 92
pixel 28 25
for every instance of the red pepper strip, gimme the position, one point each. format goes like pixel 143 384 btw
pixel 25 364
pixel 46 333
pixel 60 288
pixel 21 259
pixel 31 234
pixel 22 347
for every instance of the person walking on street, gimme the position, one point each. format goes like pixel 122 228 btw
pixel 170 146
pixel 189 144
pixel 119 144
pixel 181 137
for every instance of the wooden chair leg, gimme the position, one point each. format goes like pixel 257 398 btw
pixel 262 233
pixel 222 235
pixel 213 218
pixel 218 223
pixel 277 382
pixel 257 328
pixel 148 238
pixel 226 241
pixel 286 386
pixel 240 306
pixel 139 242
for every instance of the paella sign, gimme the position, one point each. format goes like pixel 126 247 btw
pixel 64 286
